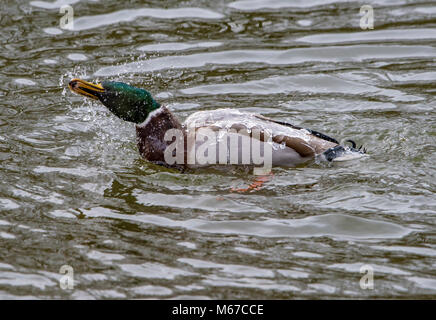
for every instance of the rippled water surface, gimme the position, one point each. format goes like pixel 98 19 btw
pixel 75 191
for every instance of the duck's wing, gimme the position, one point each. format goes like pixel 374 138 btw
pixel 307 143
pixel 315 133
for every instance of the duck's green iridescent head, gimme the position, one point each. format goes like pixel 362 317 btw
pixel 126 102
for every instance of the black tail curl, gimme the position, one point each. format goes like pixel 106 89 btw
pixel 354 146
pixel 339 150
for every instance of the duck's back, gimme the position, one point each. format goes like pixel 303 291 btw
pixel 290 144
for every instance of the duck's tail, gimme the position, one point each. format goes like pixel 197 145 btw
pixel 344 153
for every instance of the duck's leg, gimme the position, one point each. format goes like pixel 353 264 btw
pixel 256 184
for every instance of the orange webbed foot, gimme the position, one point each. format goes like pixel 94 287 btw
pixel 256 184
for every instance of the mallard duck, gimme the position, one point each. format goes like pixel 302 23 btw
pixel 289 144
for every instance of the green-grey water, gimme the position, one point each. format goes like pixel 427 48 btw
pixel 74 190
